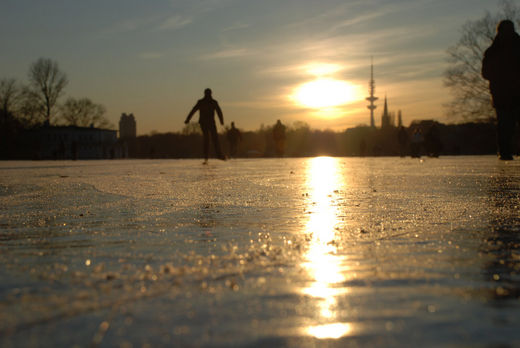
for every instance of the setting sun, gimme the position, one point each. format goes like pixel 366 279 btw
pixel 325 93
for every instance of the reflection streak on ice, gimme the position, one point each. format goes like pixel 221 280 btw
pixel 336 330
pixel 322 264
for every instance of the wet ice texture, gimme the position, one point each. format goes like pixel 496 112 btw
pixel 282 252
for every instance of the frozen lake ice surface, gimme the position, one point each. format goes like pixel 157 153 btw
pixel 300 252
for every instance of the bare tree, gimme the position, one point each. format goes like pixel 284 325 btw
pixel 84 113
pixel 46 85
pixel 31 112
pixel 471 98
pixel 10 94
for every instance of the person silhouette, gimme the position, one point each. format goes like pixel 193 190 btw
pixel 207 107
pixel 416 143
pixel 233 136
pixel 279 138
pixel 501 67
pixel 402 138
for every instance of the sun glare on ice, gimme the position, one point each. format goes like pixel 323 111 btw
pixel 323 264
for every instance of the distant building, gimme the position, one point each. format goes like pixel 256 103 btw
pixel 372 98
pixel 71 142
pixel 424 125
pixel 385 117
pixel 127 126
pixel 388 118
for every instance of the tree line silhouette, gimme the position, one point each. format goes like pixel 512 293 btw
pixel 474 138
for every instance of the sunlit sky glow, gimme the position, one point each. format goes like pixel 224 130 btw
pixel 154 58
pixel 325 93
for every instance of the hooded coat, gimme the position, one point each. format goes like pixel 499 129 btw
pixel 501 67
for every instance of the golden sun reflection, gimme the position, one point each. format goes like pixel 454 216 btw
pixel 322 264
pixel 336 330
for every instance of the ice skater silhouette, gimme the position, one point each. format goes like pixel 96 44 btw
pixel 207 107
pixel 279 138
pixel 234 136
pixel 501 66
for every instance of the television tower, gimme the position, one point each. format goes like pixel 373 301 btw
pixel 372 98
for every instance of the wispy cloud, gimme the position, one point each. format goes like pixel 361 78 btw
pixel 198 8
pixel 307 69
pixel 150 55
pixel 330 15
pixel 356 20
pixel 151 23
pixel 236 26
pixel 227 54
pixel 174 22
pixel 127 25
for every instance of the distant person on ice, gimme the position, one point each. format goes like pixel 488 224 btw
pixel 416 143
pixel 279 138
pixel 234 137
pixel 501 66
pixel 207 107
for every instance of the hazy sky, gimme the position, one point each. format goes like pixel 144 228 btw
pixel 154 58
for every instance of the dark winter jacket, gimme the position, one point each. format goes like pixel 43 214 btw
pixel 501 66
pixel 207 107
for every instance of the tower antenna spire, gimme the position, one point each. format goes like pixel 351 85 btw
pixel 372 89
